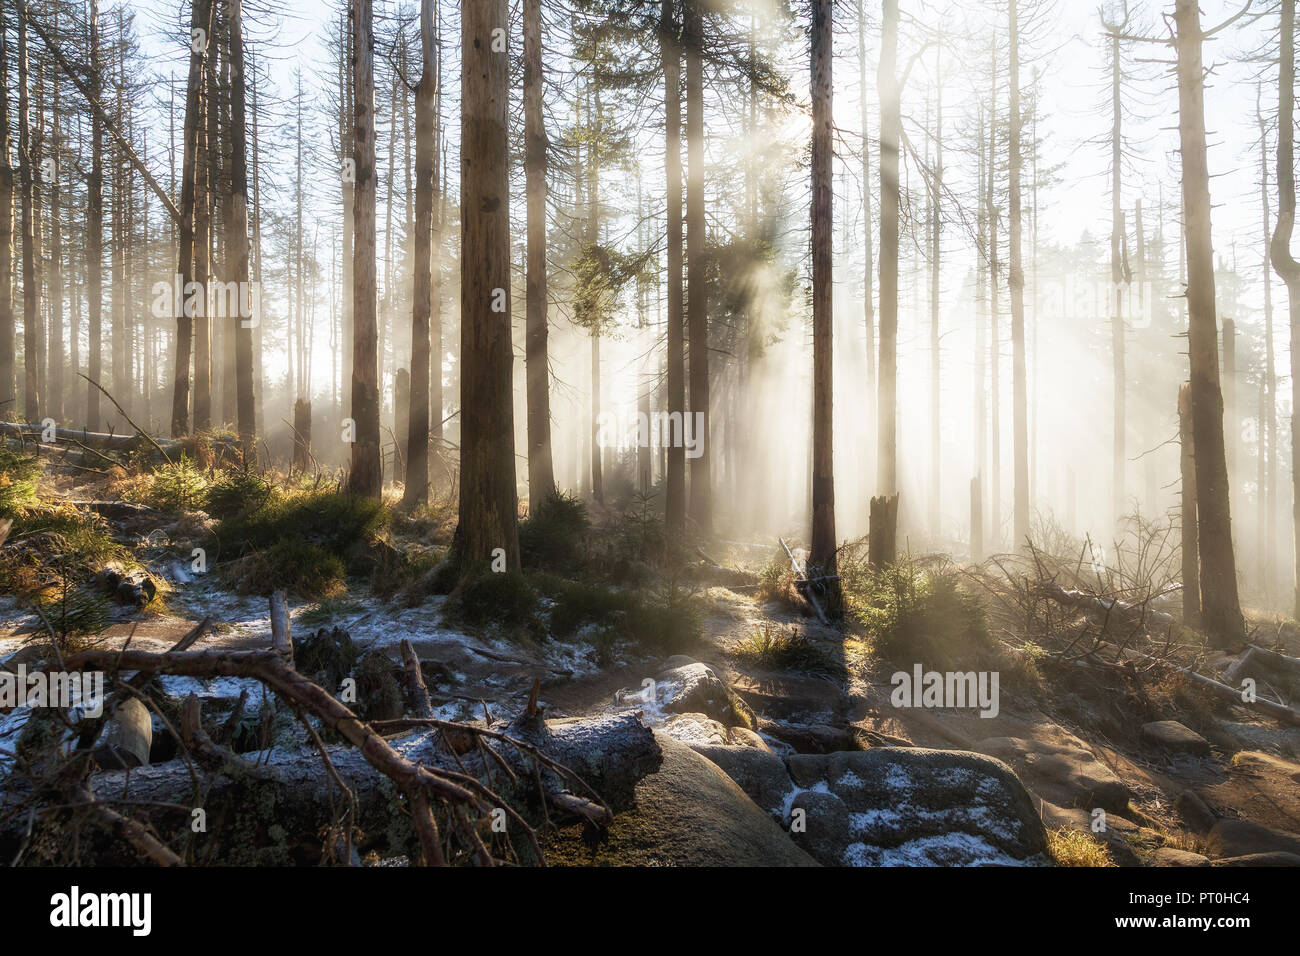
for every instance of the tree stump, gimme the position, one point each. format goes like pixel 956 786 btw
pixel 302 434
pixel 882 546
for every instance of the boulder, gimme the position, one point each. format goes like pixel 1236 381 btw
pixel 798 699
pixel 761 774
pixel 689 813
pixel 744 737
pixel 812 738
pixel 1169 856
pixel 914 807
pixel 1175 737
pixel 1060 772
pixel 1194 811
pixel 819 824
pixel 1233 838
pixel 694 729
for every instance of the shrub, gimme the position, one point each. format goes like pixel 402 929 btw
pixel 551 537
pixel 920 616
pixel 177 487
pixel 505 599
pixel 299 567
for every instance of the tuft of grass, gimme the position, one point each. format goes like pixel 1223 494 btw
pixel 19 475
pixel 664 620
pixel 1068 846
pixel 774 650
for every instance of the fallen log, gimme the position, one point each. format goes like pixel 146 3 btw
pixel 1095 603
pixel 803 585
pixel 404 794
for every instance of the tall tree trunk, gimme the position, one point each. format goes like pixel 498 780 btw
pixel 8 330
pixel 416 491
pixel 1283 262
pixel 890 136
pixel 201 17
pixel 204 189
pixel 55 356
pixel 31 283
pixel 1016 282
pixel 1187 467
pixel 1220 609
pixel 697 305
pixel 936 195
pixel 366 475
pixel 1268 433
pixel 95 235
pixel 821 554
pixel 868 257
pixel 237 237
pixel 541 473
pixel 995 333
pixel 670 51
pixel 1120 411
pixel 488 497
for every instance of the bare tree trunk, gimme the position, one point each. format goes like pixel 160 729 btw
pixel 95 236
pixel 1187 466
pixel 936 193
pixel 366 475
pixel 675 500
pixel 8 330
pixel 541 473
pixel 201 17
pixel 488 497
pixel 1268 432
pixel 890 136
pixel 1280 252
pixel 237 236
pixel 868 291
pixel 822 552
pixel 31 286
pixel 416 491
pixel 1016 281
pixel 1120 410
pixel 697 305
pixel 204 188
pixel 55 356
pixel 1220 610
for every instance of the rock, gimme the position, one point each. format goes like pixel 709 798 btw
pixel 914 807
pixel 812 738
pixel 761 774
pixel 1230 838
pixel 1275 858
pixel 694 729
pixel 1194 811
pixel 1175 737
pixel 129 738
pixel 744 737
pixel 1059 772
pixel 689 813
pixel 819 824
pixel 800 699
pixel 1168 856
pixel 696 688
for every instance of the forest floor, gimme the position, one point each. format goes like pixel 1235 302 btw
pixel 754 682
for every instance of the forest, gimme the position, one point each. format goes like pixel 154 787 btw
pixel 843 433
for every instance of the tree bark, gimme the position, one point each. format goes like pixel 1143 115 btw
pixel 697 314
pixel 822 558
pixel 416 491
pixel 675 496
pixel 1187 467
pixel 541 473
pixel 1016 282
pixel 1220 609
pixel 488 501
pixel 366 474
pixel 31 286
pixel 237 237
pixel 890 136
pixel 8 329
